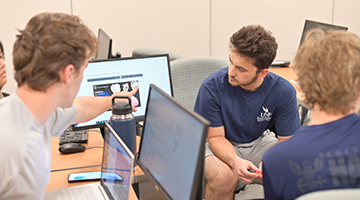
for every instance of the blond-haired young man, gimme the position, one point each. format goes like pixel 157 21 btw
pixel 326 154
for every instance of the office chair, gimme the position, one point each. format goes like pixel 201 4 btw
pixel 333 194
pixel 305 114
pixel 188 73
pixel 280 63
pixel 5 94
pixel 139 52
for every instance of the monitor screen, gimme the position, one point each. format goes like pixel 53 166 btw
pixel 117 165
pixel 105 45
pixel 105 77
pixel 172 147
pixel 309 25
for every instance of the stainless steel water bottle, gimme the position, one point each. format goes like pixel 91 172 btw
pixel 123 121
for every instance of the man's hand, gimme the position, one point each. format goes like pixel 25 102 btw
pixel 260 176
pixel 241 168
pixel 129 94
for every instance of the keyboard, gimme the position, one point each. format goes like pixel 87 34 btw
pixel 68 136
pixel 121 192
pixel 87 192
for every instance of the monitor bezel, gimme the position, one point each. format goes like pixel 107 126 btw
pixel 137 118
pixel 198 180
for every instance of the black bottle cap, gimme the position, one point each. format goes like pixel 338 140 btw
pixel 121 108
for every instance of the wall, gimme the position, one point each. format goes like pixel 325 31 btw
pixel 188 27
pixel 14 15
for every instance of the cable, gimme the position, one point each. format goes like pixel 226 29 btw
pixel 94 147
pixel 64 169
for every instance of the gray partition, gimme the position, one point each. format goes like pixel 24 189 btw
pixel 285 18
pixel 346 12
pixel 179 26
pixel 188 27
pixel 14 15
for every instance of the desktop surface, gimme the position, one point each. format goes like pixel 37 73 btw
pixel 89 160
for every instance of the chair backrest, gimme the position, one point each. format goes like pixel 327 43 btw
pixel 139 52
pixel 334 194
pixel 5 94
pixel 188 73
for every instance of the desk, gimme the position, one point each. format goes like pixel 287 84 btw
pixel 89 160
pixel 88 157
pixel 289 74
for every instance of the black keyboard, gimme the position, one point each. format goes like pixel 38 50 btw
pixel 74 136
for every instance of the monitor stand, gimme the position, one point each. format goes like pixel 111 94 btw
pixel 139 126
pixel 144 189
pixel 102 131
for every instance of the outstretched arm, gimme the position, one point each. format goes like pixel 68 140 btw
pixel 90 107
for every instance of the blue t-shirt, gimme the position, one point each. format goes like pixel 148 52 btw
pixel 318 157
pixel 244 114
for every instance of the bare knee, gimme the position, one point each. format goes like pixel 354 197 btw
pixel 221 180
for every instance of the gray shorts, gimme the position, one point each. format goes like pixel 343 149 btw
pixel 252 151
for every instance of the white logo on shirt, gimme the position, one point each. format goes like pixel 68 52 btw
pixel 264 116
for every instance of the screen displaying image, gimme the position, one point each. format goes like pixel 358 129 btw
pixel 106 77
pixel 111 88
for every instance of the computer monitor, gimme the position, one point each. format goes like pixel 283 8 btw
pixel 105 45
pixel 172 147
pixel 105 77
pixel 309 25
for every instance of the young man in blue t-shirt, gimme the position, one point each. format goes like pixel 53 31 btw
pixel 326 154
pixel 242 102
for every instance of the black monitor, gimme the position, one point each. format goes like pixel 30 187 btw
pixel 309 25
pixel 104 77
pixel 105 45
pixel 171 153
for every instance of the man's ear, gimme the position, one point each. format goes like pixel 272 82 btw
pixel 263 73
pixel 66 74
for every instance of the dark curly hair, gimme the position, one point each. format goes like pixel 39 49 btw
pixel 256 43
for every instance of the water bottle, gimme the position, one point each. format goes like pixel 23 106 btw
pixel 123 122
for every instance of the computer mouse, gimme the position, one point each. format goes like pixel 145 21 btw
pixel 71 148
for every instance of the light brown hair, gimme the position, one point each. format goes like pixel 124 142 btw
pixel 49 43
pixel 328 66
pixel 256 43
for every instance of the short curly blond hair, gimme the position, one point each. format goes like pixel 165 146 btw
pixel 328 67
